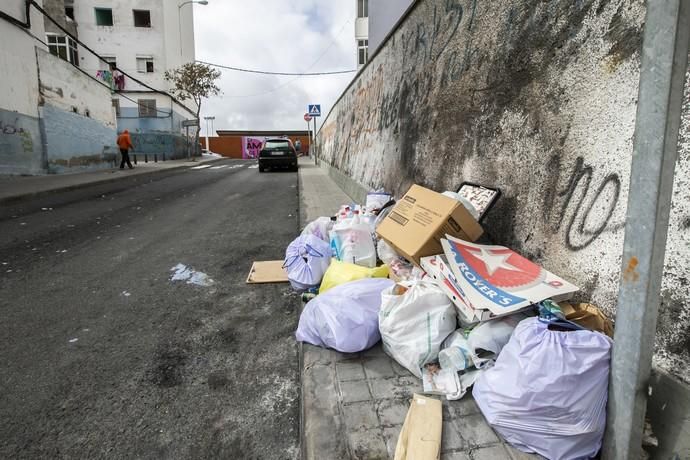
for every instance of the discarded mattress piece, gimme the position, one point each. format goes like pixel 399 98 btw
pixel 547 391
pixel 420 437
pixel 268 271
pixel 345 318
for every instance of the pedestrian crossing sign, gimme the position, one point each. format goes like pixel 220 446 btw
pixel 314 110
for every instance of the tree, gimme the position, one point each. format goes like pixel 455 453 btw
pixel 194 81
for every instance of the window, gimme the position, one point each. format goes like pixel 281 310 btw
pixel 110 64
pixel 142 18
pixel 63 47
pixel 69 12
pixel 362 51
pixel 145 64
pixel 104 16
pixel 147 107
pixel 116 104
pixel 362 8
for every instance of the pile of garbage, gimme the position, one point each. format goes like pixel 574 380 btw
pixel 458 314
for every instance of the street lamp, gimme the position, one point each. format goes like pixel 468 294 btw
pixel 179 16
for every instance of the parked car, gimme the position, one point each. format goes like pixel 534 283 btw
pixel 277 153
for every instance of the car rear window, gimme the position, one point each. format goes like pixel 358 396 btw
pixel 277 145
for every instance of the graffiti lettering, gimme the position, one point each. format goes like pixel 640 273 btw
pixel 10 128
pixel 584 226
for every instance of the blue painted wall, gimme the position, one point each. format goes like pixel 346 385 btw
pixel 21 150
pixel 73 141
pixel 155 135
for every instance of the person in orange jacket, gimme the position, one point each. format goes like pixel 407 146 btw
pixel 124 141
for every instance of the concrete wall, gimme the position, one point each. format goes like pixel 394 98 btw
pixel 20 141
pixel 539 99
pixel 383 14
pixel 166 145
pixel 77 116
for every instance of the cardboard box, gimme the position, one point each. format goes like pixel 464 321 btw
pixel 466 315
pixel 498 280
pixel 418 222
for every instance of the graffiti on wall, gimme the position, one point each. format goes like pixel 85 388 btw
pixel 11 132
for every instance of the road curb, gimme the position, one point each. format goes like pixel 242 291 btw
pixel 14 199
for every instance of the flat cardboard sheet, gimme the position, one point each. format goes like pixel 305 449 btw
pixel 268 271
pixel 420 437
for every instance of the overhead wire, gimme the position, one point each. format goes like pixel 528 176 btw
pixel 297 75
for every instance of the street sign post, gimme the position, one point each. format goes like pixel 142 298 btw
pixel 314 110
pixel 188 123
pixel 307 118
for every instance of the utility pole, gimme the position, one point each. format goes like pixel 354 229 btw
pixel 664 63
pixel 208 147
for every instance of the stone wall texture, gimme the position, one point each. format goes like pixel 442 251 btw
pixel 538 99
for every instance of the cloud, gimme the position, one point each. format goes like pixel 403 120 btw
pixel 275 35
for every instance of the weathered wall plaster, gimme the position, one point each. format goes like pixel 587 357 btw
pixel 537 98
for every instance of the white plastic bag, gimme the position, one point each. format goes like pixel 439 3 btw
pixel 345 318
pixel 306 260
pixel 414 324
pixel 352 242
pixel 547 391
pixel 456 353
pixel 488 339
pixel 320 228
pixel 464 201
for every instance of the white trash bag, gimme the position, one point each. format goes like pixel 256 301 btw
pixel 547 391
pixel 488 339
pixel 352 242
pixel 414 324
pixel 345 318
pixel 306 260
pixel 320 228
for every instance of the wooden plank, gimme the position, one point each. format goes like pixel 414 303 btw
pixel 268 271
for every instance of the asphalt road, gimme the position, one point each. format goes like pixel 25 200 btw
pixel 102 355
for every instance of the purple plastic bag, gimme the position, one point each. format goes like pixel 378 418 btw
pixel 346 317
pixel 547 391
pixel 306 260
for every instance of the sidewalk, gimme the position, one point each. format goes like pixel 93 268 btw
pixel 14 188
pixel 354 405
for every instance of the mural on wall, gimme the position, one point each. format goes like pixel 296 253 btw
pixel 535 98
pixel 251 146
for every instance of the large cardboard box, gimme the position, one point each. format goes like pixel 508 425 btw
pixel 418 222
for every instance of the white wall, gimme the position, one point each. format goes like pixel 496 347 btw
pixel 66 88
pixel 383 14
pixel 19 88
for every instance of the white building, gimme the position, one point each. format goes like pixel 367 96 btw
pixel 362 32
pixel 143 38
pixel 383 15
pixel 52 117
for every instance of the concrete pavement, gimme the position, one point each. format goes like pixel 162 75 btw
pixel 14 188
pixel 354 405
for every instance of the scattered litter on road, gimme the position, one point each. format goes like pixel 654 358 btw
pixel 126 294
pixel 420 437
pixel 190 276
pixel 73 340
pixel 268 271
pixel 22 223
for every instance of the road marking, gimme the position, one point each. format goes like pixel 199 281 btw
pixel 201 167
pixel 219 167
pixel 253 167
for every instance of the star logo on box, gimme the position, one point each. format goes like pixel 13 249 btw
pixel 502 267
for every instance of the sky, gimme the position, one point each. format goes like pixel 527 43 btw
pixel 279 36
